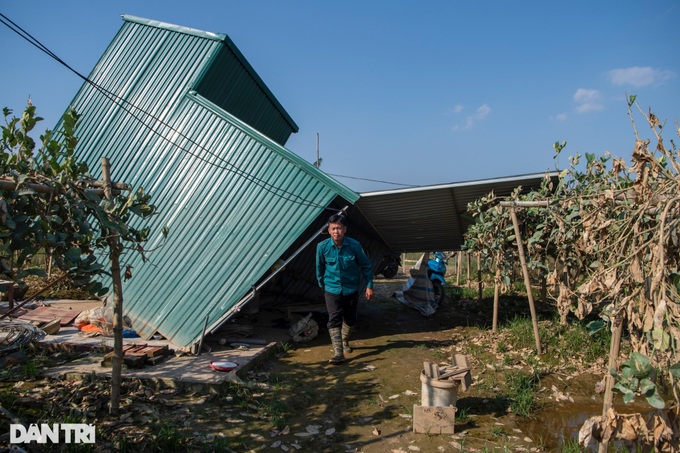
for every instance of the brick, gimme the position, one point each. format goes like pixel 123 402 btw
pixel 434 419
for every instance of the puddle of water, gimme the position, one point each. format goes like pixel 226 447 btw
pixel 556 425
pixel 559 424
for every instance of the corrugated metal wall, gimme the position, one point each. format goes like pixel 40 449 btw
pixel 228 84
pixel 234 199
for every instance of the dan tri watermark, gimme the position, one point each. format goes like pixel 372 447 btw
pixel 56 433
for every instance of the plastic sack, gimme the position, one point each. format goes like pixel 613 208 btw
pixel 418 292
pixel 304 330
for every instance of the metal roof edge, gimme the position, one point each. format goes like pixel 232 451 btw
pixel 175 28
pixel 454 185
pixel 230 45
pixel 343 191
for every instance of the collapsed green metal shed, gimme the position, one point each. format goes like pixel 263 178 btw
pixel 181 113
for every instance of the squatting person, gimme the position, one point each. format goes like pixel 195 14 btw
pixel 340 263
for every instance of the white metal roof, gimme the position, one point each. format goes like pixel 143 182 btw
pixel 434 217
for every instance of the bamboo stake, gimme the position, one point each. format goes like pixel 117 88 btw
pixel 114 253
pixel 460 258
pixel 527 281
pixel 467 258
pixel 614 347
pixel 479 277
pixel 496 291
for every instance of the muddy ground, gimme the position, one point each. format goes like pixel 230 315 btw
pixel 296 401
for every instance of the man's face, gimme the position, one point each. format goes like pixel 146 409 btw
pixel 337 231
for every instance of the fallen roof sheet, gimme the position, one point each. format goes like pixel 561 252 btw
pixel 434 217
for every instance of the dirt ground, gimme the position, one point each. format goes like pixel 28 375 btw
pixel 297 401
pixel 368 401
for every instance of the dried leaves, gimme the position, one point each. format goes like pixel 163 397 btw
pixel 633 430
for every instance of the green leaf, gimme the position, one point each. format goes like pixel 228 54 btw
pixel 165 231
pixel 675 370
pixel 73 254
pixel 595 326
pixel 655 400
pixel 640 364
pixel 628 397
pixel 32 271
pixel 660 339
pixel 647 387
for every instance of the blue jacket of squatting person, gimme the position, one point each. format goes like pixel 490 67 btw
pixel 339 270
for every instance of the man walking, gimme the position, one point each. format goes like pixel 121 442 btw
pixel 340 263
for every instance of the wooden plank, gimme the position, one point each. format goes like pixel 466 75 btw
pixel 434 419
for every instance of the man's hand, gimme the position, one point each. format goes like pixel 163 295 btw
pixel 369 293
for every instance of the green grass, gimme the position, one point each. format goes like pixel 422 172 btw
pixel 521 332
pixel 169 438
pixel 521 392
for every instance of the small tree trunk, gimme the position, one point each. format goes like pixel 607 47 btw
pixel 479 277
pixel 114 254
pixel 496 290
pixel 614 347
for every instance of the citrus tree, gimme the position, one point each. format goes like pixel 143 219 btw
pixel 49 204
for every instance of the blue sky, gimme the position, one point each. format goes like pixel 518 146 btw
pixel 403 91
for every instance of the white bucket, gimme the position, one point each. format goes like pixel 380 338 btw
pixel 438 393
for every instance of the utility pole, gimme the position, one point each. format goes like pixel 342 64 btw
pixel 317 164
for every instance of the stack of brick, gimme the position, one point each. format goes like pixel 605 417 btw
pixel 138 356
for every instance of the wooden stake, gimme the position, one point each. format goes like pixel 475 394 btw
pixel 614 347
pixel 527 280
pixel 460 258
pixel 114 254
pixel 467 282
pixel 496 290
pixel 479 277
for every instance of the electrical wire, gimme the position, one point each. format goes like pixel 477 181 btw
pixel 373 180
pixel 123 103
pixel 15 334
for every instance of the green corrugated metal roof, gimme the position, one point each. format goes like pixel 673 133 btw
pixel 229 81
pixel 234 199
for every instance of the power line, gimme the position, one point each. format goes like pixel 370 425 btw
pixel 373 180
pixel 121 102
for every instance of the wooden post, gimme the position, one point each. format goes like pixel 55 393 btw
pixel 527 280
pixel 460 258
pixel 614 347
pixel 467 259
pixel 496 290
pixel 479 276
pixel 114 254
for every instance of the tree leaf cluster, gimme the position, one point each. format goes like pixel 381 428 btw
pixel 609 240
pixel 48 205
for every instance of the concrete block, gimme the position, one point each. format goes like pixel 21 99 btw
pixel 434 419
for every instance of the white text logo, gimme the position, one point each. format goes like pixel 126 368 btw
pixel 77 433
